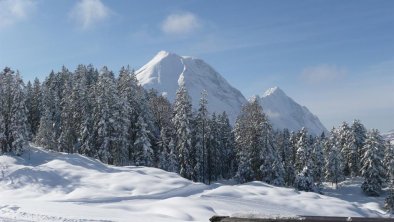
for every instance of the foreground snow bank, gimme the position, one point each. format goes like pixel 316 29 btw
pixel 49 186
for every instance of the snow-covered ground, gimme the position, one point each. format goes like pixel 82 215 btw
pixel 50 186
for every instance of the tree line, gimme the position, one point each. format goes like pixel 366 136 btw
pixel 112 118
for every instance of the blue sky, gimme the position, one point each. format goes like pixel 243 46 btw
pixel 335 57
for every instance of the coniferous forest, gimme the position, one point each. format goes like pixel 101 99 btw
pixel 110 117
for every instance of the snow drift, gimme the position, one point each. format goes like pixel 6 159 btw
pixel 50 186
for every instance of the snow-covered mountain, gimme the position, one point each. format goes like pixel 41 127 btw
pixel 166 71
pixel 284 112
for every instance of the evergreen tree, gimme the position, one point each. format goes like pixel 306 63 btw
pixel 201 139
pixel 85 84
pixel 143 150
pixel 318 161
pixel 388 161
pixel 304 180
pixel 286 155
pixel 389 201
pixel 358 138
pixel 254 144
pixel 226 137
pixel 372 164
pixel 106 117
pixel 347 148
pixel 14 131
pixel 35 108
pixel 304 152
pixel 334 169
pixel 182 124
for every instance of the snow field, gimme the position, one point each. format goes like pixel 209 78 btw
pixel 51 186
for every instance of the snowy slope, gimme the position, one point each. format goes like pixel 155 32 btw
pixel 166 71
pixel 50 186
pixel 284 112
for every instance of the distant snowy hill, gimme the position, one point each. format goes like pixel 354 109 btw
pixel 284 112
pixel 49 186
pixel 389 136
pixel 166 71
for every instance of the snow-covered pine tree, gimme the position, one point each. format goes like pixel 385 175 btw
pixel 304 152
pixel 359 134
pixel 372 164
pixel 45 135
pixel 68 138
pixel 254 144
pixel 35 110
pixel 318 161
pixel 347 148
pixel 106 116
pixel 201 136
pixel 214 162
pixel 13 116
pixel 182 124
pixel 388 161
pixel 333 167
pixel 28 99
pixel 227 142
pixel 163 144
pixel 304 180
pixel 286 155
pixel 304 162
pixel 142 147
pixel 52 96
pixel 389 201
pixel 86 80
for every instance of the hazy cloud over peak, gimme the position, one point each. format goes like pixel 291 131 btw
pixel 180 23
pixel 322 73
pixel 88 13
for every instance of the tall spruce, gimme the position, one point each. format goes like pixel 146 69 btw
pixel 254 145
pixel 182 122
pixel 334 166
pixel 372 164
pixel 201 139
pixel 14 131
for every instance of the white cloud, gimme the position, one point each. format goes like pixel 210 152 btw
pixel 180 23
pixel 13 11
pixel 88 13
pixel 322 73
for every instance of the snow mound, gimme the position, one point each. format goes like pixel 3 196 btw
pixel 283 112
pixel 166 71
pixel 50 186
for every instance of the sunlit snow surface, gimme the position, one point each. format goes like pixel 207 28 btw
pixel 50 186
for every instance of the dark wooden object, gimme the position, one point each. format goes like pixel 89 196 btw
pixel 301 219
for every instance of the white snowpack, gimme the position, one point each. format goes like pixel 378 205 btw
pixel 48 186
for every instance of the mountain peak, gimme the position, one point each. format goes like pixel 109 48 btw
pixel 163 54
pixel 167 71
pixel 284 112
pixel 273 91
